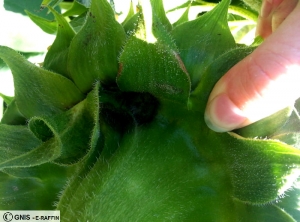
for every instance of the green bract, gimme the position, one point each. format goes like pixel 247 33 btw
pixel 111 127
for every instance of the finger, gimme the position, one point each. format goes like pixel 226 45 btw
pixel 263 27
pixel 264 23
pixel 282 11
pixel 261 84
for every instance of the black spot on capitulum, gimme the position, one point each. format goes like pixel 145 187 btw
pixel 127 109
pixel 141 106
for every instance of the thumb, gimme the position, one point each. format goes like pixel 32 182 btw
pixel 263 83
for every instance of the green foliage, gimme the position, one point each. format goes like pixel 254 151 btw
pixel 57 55
pixel 32 6
pixel 47 26
pixel 96 48
pixel 111 126
pixel 210 37
pixel 39 91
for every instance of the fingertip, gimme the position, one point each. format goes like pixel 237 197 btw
pixel 222 115
pixel 209 123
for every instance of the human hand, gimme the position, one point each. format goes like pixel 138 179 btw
pixel 267 80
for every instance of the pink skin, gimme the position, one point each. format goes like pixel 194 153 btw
pixel 267 80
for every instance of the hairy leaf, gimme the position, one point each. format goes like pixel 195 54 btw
pixel 71 129
pixel 38 91
pixel 143 70
pixel 94 50
pixel 57 56
pixel 208 36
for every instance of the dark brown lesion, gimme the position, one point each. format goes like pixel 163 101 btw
pixel 120 70
pixel 180 62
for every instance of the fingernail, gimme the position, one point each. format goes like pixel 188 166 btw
pixel 212 126
pixel 223 115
